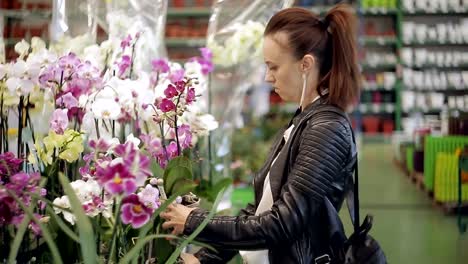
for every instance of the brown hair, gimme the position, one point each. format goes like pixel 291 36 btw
pixel 331 41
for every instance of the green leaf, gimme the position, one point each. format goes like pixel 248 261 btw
pixel 85 229
pixel 45 231
pixel 18 239
pixel 184 184
pixel 180 161
pixel 142 242
pixel 174 175
pixel 221 184
pixel 67 230
pixel 178 168
pixel 176 253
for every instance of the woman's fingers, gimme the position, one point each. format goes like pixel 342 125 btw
pixel 165 215
pixel 167 225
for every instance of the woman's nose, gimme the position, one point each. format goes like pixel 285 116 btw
pixel 269 78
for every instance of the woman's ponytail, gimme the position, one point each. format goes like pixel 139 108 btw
pixel 331 40
pixel 344 77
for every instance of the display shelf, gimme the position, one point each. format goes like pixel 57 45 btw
pixel 437 13
pixel 377 11
pixel 26 13
pixel 360 11
pixel 434 43
pixel 378 41
pixel 434 111
pixel 450 90
pixel 380 67
pixel 188 12
pixel 439 68
pixel 377 88
pixel 377 108
pixel 185 42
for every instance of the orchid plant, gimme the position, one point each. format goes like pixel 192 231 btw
pixel 114 151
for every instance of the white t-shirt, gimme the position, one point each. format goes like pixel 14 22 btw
pixel 265 204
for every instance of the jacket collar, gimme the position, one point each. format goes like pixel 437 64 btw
pixel 300 114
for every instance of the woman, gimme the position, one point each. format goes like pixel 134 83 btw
pixel 313 62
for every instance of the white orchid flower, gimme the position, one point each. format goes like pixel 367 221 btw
pixel 22 48
pixel 63 202
pixel 37 44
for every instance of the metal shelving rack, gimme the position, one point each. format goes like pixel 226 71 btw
pixel 421 15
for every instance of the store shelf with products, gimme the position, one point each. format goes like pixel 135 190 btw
pixel 177 12
pixel 378 40
pixel 434 57
pixel 26 13
pixel 185 42
pixel 186 27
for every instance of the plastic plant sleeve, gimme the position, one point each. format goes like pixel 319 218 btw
pixel 148 17
pixel 235 36
pixel 73 25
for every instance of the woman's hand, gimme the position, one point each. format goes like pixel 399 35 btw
pixel 175 215
pixel 189 258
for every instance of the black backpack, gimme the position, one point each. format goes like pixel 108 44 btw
pixel 360 247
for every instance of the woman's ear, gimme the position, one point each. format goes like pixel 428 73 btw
pixel 308 62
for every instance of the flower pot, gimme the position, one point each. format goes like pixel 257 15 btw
pixel 178 3
pixel 370 124
pixel 200 3
pixel 388 126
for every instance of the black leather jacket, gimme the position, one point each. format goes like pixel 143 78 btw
pixel 316 164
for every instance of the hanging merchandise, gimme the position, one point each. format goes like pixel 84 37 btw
pixel 235 35
pixel 73 26
pixel 143 23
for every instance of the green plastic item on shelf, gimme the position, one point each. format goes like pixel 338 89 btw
pixel 434 145
pixel 446 178
pixel 410 158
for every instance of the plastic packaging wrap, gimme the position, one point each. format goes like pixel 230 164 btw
pixel 148 17
pixel 235 35
pixel 73 26
pixel 2 40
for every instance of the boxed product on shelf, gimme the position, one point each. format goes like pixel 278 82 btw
pixel 433 79
pixel 373 58
pixel 434 6
pixel 380 80
pixel 444 33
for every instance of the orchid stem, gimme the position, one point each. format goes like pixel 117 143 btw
pixel 114 231
pixel 96 124
pixel 163 140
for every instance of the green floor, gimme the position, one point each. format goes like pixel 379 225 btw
pixel 407 226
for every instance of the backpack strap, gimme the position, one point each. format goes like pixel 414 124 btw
pixel 352 195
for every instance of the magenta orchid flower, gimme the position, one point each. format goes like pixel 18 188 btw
pixel 176 75
pixel 126 42
pixel 160 65
pixel 134 212
pixel 190 96
pixel 137 163
pixel 170 91
pixel 124 64
pixel 116 179
pixel 166 105
pixel 180 86
pixel 9 165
